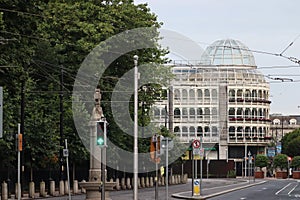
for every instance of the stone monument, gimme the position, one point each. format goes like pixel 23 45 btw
pixel 94 182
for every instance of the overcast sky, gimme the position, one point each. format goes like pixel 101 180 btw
pixel 265 25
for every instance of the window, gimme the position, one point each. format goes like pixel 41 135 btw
pixel 192 94
pixel 214 131
pixel 184 94
pixel 184 113
pixel 177 130
pixel 177 113
pixel 247 113
pixel 156 113
pixel 206 94
pixel 184 131
pixel 293 121
pixel 239 93
pixel 231 94
pixel 207 131
pixel 199 94
pixel 231 112
pixel 177 94
pixel 199 112
pixel 199 131
pixel 192 113
pixel 192 131
pixel 214 93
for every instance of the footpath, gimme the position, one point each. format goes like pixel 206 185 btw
pixel 212 188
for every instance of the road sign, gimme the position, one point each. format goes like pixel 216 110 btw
pixel 65 152
pixel 196 144
pixel 196 187
pixel 196 151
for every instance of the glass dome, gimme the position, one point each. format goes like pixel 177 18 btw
pixel 228 52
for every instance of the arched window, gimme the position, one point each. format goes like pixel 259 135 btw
pixel 259 94
pixel 207 131
pixel 184 113
pixel 231 112
pixel 199 113
pixel 254 113
pixel 214 131
pixel 239 93
pixel 192 131
pixel 199 131
pixel 247 94
pixel 247 132
pixel 254 94
pixel 176 94
pixel 239 112
pixel 199 94
pixel 231 94
pixel 239 131
pixel 176 113
pixel 260 113
pixel 214 94
pixel 184 131
pixel 206 94
pixel 247 113
pixel 177 130
pixel 293 121
pixel 254 132
pixel 192 94
pixel 207 113
pixel 184 94
pixel 231 131
pixel 192 113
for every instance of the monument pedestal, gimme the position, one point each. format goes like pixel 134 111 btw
pixel 92 189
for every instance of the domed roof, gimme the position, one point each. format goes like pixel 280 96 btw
pixel 228 53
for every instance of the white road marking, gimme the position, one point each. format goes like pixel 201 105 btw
pixel 292 189
pixel 282 188
pixel 242 198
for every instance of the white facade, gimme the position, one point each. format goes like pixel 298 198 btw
pixel 223 99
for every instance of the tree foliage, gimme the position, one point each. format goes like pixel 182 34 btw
pixel 281 161
pixel 41 39
pixel 291 143
pixel 261 161
pixel 296 162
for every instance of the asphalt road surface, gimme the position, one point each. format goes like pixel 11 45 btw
pixel 271 190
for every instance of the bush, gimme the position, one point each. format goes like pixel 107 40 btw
pixel 296 162
pixel 281 161
pixel 261 161
pixel 231 174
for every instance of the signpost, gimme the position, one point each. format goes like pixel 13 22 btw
pixel 167 144
pixel 197 150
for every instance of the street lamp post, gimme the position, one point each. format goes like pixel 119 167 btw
pixel 135 148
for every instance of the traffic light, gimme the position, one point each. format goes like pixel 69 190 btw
pixel 101 133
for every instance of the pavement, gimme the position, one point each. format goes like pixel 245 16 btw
pixel 211 187
pixel 228 185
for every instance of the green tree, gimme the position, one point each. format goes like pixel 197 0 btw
pixel 291 143
pixel 281 161
pixel 261 161
pixel 296 162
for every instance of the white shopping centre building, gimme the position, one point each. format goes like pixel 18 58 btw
pixel 223 98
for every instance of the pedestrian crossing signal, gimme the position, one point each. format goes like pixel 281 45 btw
pixel 101 133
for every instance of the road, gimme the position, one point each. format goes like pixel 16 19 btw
pixel 271 190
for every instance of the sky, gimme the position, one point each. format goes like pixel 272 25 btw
pixel 264 25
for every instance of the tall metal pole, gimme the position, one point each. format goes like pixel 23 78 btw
pixel 156 168
pixel 135 148
pixel 192 171
pixel 245 160
pixel 61 128
pixel 22 128
pixel 167 169
pixel 19 165
pixel 201 158
pixel 68 175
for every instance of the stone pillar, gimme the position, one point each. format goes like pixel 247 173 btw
pixel 43 189
pixel 143 182
pixel 31 189
pixel 162 180
pixel 118 187
pixel 75 187
pixel 66 187
pixel 123 185
pixel 147 182
pixel 128 184
pixel 4 191
pixel 52 188
pixel 61 188
pixel 16 189
pixel 151 182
